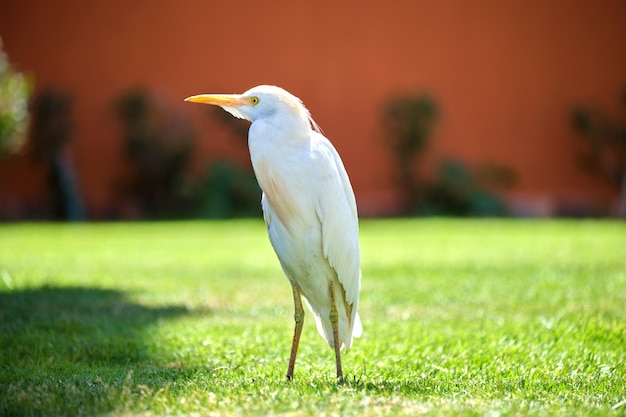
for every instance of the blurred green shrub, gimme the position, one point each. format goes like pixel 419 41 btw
pixel 455 189
pixel 228 191
pixel 52 123
pixel 409 121
pixel 15 90
pixel 604 147
pixel 51 131
pixel 462 190
pixel 158 147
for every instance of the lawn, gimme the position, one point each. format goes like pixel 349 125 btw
pixel 461 317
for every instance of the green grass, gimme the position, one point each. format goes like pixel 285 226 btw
pixel 461 317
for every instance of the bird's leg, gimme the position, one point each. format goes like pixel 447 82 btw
pixel 334 321
pixel 299 319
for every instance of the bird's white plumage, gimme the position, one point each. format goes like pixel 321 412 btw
pixel 320 243
pixel 309 208
pixel 308 204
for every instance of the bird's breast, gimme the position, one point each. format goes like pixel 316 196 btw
pixel 282 190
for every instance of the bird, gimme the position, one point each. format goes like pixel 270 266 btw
pixel 309 209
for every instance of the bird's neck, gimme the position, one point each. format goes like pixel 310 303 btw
pixel 274 136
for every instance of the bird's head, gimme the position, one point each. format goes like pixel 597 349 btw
pixel 263 101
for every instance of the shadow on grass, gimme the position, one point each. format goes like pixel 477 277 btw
pixel 77 341
pixel 76 324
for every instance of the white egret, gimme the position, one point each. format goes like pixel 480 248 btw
pixel 309 210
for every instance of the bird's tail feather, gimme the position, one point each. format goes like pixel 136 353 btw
pixel 348 329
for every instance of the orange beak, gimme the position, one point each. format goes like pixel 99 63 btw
pixel 224 100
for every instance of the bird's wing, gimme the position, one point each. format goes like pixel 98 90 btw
pixel 337 213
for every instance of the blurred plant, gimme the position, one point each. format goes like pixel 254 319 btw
pixel 15 89
pixel 50 132
pixel 228 191
pixel 409 121
pixel 456 189
pixel 604 153
pixel 52 125
pixel 461 190
pixel 159 148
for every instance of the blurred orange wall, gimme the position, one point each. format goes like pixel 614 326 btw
pixel 505 73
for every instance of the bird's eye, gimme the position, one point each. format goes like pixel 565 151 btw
pixel 254 101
